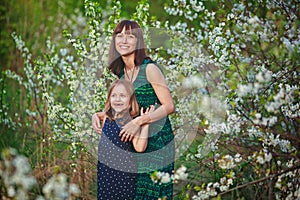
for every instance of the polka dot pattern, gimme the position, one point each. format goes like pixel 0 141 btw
pixel 116 168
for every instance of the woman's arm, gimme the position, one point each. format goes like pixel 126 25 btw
pixel 96 119
pixel 158 82
pixel 140 141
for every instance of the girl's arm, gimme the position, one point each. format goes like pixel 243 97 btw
pixel 140 141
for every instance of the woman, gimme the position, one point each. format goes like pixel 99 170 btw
pixel 128 60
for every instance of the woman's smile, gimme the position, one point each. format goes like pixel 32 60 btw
pixel 125 42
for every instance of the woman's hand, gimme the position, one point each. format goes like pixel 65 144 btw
pixel 96 121
pixel 132 128
pixel 129 131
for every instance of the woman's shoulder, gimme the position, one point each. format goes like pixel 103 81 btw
pixel 147 60
pixel 153 70
pixel 149 63
pixel 149 69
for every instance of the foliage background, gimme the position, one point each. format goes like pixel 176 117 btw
pixel 244 55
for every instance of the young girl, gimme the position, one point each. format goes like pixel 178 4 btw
pixel 116 168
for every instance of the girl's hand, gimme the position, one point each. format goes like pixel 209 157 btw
pixel 148 110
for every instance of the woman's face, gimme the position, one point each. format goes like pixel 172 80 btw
pixel 125 42
pixel 119 98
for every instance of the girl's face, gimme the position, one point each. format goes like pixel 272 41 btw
pixel 125 42
pixel 119 98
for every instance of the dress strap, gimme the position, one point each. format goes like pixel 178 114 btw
pixel 147 61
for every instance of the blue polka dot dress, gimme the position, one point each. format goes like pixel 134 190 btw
pixel 116 168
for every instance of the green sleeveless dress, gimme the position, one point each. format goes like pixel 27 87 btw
pixel 159 155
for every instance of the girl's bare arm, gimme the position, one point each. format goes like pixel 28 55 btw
pixel 140 141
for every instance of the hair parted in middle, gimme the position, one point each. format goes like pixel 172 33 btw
pixel 133 104
pixel 115 62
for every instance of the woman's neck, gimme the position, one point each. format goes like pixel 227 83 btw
pixel 129 62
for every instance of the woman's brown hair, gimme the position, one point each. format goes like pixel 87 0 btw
pixel 115 62
pixel 134 107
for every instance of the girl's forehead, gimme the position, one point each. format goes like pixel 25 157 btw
pixel 119 88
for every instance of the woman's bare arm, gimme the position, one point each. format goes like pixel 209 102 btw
pixel 96 121
pixel 158 82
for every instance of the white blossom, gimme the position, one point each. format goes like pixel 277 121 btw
pixel 226 162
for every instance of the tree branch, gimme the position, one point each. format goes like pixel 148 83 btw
pixel 262 179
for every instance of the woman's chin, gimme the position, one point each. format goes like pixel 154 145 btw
pixel 126 53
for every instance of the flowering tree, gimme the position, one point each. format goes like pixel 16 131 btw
pixel 18 181
pixel 234 77
pixel 255 47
